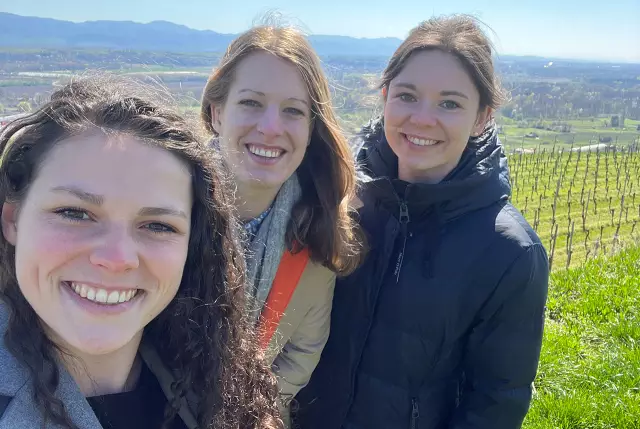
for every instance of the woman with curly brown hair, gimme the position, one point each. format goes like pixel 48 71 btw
pixel 121 276
pixel 268 105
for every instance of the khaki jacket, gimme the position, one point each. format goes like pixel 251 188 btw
pixel 296 346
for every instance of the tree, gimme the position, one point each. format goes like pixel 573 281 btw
pixel 24 106
pixel 615 121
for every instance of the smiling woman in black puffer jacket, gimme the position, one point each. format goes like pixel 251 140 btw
pixel 442 326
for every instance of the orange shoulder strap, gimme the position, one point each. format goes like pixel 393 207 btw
pixel 284 284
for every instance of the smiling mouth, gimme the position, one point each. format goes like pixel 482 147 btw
pixel 271 153
pixel 102 296
pixel 420 141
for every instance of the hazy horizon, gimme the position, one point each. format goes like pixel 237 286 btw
pixel 546 28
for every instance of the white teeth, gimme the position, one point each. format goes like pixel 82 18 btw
pixel 421 142
pixel 101 295
pixel 271 153
pixel 114 297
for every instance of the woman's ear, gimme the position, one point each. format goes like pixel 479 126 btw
pixel 215 118
pixel 9 220
pixel 481 121
pixel 385 92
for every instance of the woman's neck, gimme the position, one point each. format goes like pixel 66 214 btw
pixel 251 201
pixel 108 373
pixel 429 176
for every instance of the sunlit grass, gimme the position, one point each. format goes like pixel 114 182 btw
pixel 589 375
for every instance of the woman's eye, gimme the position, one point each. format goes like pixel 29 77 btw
pixel 450 105
pixel 73 214
pixel 294 111
pixel 250 103
pixel 407 97
pixel 159 228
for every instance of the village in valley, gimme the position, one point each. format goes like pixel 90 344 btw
pixel 581 118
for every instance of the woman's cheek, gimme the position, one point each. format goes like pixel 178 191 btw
pixel 167 258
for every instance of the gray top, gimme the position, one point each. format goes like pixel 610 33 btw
pixel 23 413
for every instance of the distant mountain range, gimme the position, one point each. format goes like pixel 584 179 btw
pixel 30 32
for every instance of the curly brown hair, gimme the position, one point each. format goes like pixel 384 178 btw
pixel 203 334
pixel 321 220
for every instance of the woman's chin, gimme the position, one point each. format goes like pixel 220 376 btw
pixel 265 179
pixel 97 342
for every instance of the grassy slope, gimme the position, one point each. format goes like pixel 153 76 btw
pixel 589 375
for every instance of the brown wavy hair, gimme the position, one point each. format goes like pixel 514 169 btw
pixel 203 334
pixel 321 220
pixel 461 36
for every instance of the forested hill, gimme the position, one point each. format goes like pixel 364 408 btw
pixel 25 32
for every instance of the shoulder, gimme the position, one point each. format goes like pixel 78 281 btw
pixel 308 310
pixel 502 244
pixel 316 280
pixel 15 382
pixel 314 291
pixel 13 375
pixel 513 230
pixel 497 228
pixel 518 252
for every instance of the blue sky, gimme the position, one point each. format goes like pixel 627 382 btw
pixel 562 28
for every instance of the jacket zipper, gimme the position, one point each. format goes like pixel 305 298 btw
pixel 415 413
pixel 404 221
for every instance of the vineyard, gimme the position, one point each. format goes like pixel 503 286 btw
pixel 583 204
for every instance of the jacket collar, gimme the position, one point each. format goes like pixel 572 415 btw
pixel 22 412
pixel 15 381
pixel 480 179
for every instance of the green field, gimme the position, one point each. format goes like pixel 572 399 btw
pixel 589 374
pixel 582 204
pixel 582 132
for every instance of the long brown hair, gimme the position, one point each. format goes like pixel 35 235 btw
pixel 203 333
pixel 461 36
pixel 321 220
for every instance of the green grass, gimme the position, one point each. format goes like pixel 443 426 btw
pixel 583 132
pixel 7 83
pixel 514 137
pixel 589 374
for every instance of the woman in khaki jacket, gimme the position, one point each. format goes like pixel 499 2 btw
pixel 268 106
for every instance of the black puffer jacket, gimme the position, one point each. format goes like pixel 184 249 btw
pixel 442 325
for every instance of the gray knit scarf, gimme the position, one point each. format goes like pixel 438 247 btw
pixel 266 248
